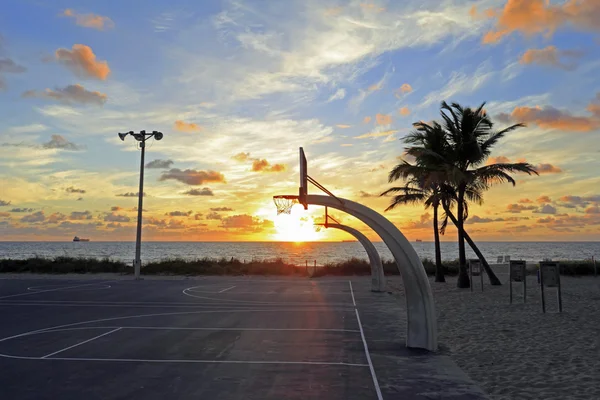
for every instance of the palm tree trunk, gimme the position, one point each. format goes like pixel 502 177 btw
pixel 463 277
pixel 439 269
pixel 494 281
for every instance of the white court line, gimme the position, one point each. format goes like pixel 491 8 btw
pixel 51 290
pixel 224 290
pixel 362 334
pixel 80 343
pixel 183 328
pixel 160 315
pixel 224 307
pixel 189 361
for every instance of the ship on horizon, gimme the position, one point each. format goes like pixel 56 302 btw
pixel 78 239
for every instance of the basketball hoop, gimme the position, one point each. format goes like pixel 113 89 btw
pixel 284 203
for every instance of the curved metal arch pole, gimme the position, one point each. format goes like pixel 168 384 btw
pixel 421 319
pixel 377 276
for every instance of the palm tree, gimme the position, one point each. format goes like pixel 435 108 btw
pixel 423 179
pixel 471 137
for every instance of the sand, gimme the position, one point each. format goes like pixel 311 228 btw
pixel 515 351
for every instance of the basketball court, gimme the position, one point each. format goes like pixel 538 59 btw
pixel 213 338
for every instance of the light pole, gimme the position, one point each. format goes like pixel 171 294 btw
pixel 141 137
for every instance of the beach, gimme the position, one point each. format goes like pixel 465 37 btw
pixel 516 351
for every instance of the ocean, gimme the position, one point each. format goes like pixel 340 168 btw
pixel 297 253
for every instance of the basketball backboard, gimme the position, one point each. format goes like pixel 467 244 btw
pixel 303 189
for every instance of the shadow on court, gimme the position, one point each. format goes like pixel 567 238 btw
pixel 214 338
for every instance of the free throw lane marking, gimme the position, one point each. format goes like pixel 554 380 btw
pixel 80 343
pixel 362 335
pixel 224 290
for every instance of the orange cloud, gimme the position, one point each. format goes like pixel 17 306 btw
pixel 366 120
pixel 346 145
pixel 543 199
pixel 404 111
pixel 192 176
pixel 82 61
pixel 547 169
pixel 517 208
pixel 524 201
pixel 94 21
pixel 263 165
pixel 333 11
pixel 374 87
pixel 592 210
pixel 341 126
pixel 551 118
pixel 241 157
pixel 532 17
pixel 375 134
pixel 550 56
pixel 498 160
pixel 188 127
pixel 383 119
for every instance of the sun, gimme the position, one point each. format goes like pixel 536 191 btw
pixel 296 227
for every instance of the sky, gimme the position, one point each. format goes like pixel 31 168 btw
pixel 237 86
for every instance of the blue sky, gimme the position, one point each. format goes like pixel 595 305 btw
pixel 261 78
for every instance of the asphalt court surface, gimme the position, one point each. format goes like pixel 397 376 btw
pixel 225 338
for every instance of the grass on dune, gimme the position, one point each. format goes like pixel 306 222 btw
pixel 233 266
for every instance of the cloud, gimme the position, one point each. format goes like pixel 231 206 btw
pixel 55 218
pixel 131 194
pixel 200 192
pixel 112 217
pixel 383 119
pixel 346 145
pixel 198 216
pixel 221 209
pixel 571 201
pixel 372 7
pixel 376 134
pixel 160 164
pixel 525 201
pixel 71 189
pixel 262 165
pixel 549 117
pixel 338 95
pixel 93 21
pixel 20 210
pixel 366 120
pixel 497 160
pixel 475 219
pixel 405 88
pixel 116 208
pixel 4 203
pixel 543 199
pixel 71 94
pixel 424 222
pixel 404 111
pixel 547 209
pixel 213 215
pixel 80 215
pixel 551 56
pixel 460 82
pixel 188 127
pixel 341 126
pixel 7 65
pixel 81 60
pixel 179 213
pixel 245 222
pixel 592 210
pixel 547 169
pixel 60 142
pixel 534 17
pixel 192 176
pixel 241 157
pixel 517 208
pixel 35 217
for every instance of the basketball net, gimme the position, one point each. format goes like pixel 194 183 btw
pixel 284 204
